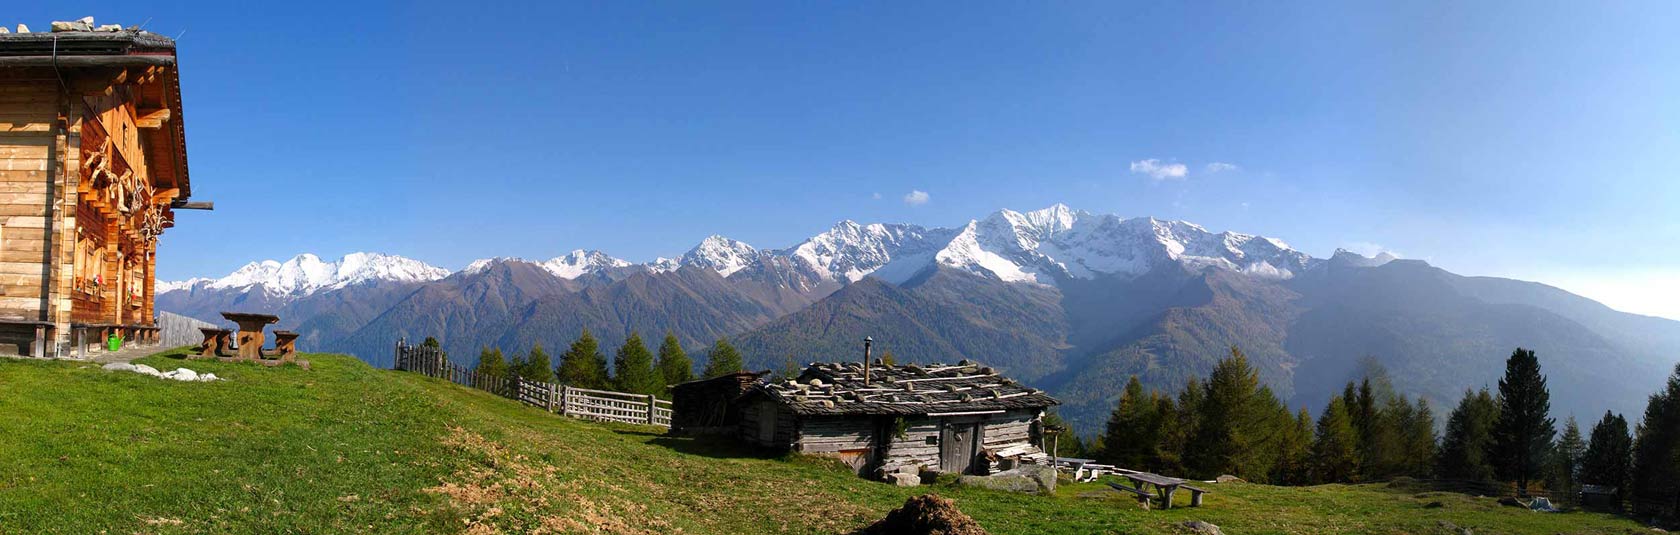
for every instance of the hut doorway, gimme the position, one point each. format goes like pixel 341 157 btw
pixel 958 444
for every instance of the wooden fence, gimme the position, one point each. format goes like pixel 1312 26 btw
pixel 600 405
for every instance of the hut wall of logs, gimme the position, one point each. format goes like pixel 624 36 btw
pixel 896 419
pixel 92 165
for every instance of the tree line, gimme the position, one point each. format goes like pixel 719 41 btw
pixel 1231 424
pixel 634 369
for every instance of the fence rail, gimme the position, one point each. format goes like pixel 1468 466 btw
pixel 600 405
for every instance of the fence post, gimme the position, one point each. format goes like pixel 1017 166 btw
pixel 565 400
pixel 548 388
pixel 651 406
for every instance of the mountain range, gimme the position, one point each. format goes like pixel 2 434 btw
pixel 1070 301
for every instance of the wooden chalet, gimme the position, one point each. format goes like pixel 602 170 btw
pixel 707 406
pixel 93 164
pixel 883 419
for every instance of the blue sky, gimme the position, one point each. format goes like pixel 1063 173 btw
pixel 1538 140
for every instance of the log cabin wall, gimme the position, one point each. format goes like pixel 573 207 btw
pixel 92 160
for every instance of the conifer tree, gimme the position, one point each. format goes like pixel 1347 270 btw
pixel 1522 435
pixel 1564 465
pixel 674 366
pixel 722 360
pixel 517 367
pixel 491 362
pixel 1655 450
pixel 1334 452
pixel 1133 431
pixel 583 365
pixel 633 368
pixel 1609 454
pixel 1295 452
pixel 1224 435
pixel 1469 438
pixel 1177 430
pixel 537 365
pixel 1417 437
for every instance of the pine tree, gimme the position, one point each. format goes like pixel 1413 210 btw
pixel 722 360
pixel 1522 435
pixel 1295 452
pixel 1133 431
pixel 1609 454
pixel 674 366
pixel 633 368
pixel 1469 437
pixel 517 367
pixel 583 365
pixel 1334 448
pixel 1564 466
pixel 537 366
pixel 1656 472
pixel 491 363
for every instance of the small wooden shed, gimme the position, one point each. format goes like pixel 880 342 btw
pixel 707 406
pixel 886 419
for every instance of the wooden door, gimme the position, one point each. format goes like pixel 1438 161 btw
pixel 958 443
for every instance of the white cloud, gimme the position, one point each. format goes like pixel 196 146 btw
pixel 1160 171
pixel 1220 167
pixel 1365 248
pixel 916 197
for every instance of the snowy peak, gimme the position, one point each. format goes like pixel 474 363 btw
pixel 717 253
pixel 580 262
pixel 306 273
pixel 850 251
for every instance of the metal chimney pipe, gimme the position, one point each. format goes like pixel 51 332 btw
pixel 866 341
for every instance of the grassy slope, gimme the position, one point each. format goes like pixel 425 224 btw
pixel 348 448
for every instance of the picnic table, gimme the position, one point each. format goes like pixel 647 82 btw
pixel 1164 487
pixel 250 332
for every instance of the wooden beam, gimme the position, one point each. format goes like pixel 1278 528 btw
pixel 152 118
pixel 193 205
pixel 87 61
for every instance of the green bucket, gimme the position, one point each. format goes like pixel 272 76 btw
pixel 115 343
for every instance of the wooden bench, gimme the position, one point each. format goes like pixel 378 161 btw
pixel 1195 495
pixel 250 332
pixel 31 335
pixel 1142 495
pixel 285 346
pixel 215 344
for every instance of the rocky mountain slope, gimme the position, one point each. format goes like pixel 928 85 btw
pixel 1070 301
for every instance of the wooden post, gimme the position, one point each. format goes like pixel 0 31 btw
pixel 651 405
pixel 565 400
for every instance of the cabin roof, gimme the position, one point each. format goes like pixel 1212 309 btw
pixel 109 50
pixel 837 388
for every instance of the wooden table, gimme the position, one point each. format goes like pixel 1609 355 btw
pixel 1165 486
pixel 250 332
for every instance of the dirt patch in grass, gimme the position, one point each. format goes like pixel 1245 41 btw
pixel 927 514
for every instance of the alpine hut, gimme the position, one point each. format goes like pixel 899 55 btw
pixel 93 165
pixel 882 419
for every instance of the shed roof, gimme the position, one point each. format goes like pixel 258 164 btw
pixel 837 388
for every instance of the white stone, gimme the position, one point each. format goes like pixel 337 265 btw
pixel 209 377
pixel 183 374
pixel 904 480
pixel 23 29
pixel 108 28
pixel 4 29
pixel 148 370
pixel 119 367
pixel 85 24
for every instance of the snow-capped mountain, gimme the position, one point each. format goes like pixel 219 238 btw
pixel 306 274
pixel 580 262
pixel 717 253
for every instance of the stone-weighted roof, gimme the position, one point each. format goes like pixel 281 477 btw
pixel 837 388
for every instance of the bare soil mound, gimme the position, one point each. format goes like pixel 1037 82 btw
pixel 927 514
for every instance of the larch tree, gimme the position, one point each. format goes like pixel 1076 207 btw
pixel 1225 435
pixel 1609 454
pixel 722 360
pixel 1133 433
pixel 1469 438
pixel 1563 471
pixel 583 365
pixel 1522 434
pixel 1418 441
pixel 1335 453
pixel 674 365
pixel 633 368
pixel 538 366
pixel 491 362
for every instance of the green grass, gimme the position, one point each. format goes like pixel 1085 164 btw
pixel 347 448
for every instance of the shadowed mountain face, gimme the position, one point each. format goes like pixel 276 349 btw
pixel 1068 301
